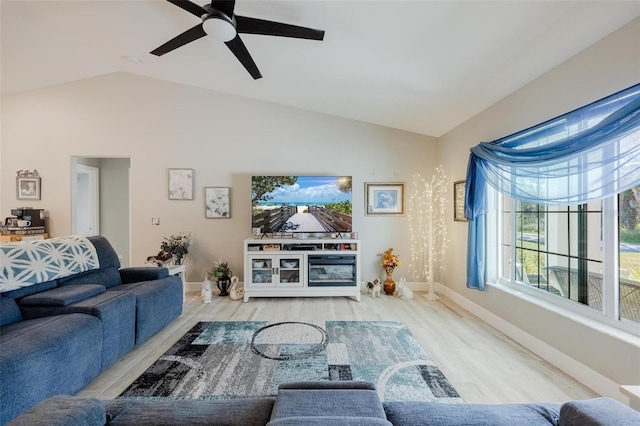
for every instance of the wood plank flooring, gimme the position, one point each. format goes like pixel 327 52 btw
pixel 483 365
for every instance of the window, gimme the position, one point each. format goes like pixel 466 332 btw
pixel 561 251
pixel 629 253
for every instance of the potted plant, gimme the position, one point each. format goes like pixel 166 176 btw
pixel 177 246
pixel 221 275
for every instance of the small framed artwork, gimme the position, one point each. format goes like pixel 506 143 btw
pixel 181 184
pixel 27 188
pixel 384 199
pixel 217 203
pixel 458 201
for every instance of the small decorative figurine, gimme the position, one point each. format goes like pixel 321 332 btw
pixel 373 287
pixel 404 291
pixel 236 292
pixel 206 290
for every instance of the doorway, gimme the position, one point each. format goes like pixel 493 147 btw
pixel 87 208
pixel 100 202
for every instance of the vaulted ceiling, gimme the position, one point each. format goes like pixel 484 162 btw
pixel 421 66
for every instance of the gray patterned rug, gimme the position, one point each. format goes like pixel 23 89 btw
pixel 239 359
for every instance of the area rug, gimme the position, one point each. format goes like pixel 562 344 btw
pixel 240 359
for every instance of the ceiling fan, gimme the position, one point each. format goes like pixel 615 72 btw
pixel 219 21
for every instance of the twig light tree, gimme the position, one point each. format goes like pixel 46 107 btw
pixel 427 209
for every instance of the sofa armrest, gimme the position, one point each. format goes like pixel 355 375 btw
pixel 142 273
pixel 597 412
pixel 64 411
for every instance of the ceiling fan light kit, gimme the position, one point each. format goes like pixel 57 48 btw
pixel 219 27
pixel 220 22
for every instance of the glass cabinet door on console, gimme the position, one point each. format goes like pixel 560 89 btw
pixel 275 270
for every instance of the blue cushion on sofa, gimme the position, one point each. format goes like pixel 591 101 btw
pixel 63 296
pixel 9 311
pixel 439 414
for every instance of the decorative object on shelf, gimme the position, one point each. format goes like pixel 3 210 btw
pixel 389 262
pixel 221 275
pixel 403 291
pixel 217 202
pixel 384 199
pixel 428 205
pixel 181 184
pixel 27 185
pixel 206 291
pixel 177 246
pixel 458 201
pixel 373 287
pixel 236 292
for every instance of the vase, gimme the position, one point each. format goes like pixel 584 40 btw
pixel 389 285
pixel 223 286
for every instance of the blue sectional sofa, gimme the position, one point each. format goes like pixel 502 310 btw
pixel 322 404
pixel 57 335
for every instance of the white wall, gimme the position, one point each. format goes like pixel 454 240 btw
pixel 604 68
pixel 225 139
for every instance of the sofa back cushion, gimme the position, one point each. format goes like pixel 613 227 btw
pixel 9 311
pixel 107 275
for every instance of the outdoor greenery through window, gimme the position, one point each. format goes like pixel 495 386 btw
pixel 560 250
pixel 629 253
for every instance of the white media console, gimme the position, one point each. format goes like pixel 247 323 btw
pixel 288 267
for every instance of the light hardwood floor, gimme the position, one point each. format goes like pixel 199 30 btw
pixel 483 364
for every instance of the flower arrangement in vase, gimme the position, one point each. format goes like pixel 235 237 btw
pixel 389 262
pixel 177 246
pixel 221 275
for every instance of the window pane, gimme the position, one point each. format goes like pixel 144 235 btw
pixel 558 248
pixel 629 234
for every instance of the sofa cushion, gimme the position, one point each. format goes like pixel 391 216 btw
pixel 9 311
pixel 47 356
pixel 327 402
pixel 140 412
pixel 63 296
pixel 598 412
pixel 439 414
pixel 33 289
pixel 108 277
pixel 64 411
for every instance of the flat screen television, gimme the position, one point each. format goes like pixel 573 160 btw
pixel 309 204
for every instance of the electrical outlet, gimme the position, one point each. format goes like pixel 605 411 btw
pixel 155 221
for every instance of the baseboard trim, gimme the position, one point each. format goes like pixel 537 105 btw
pixel 585 375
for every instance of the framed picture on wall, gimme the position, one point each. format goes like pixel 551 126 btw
pixel 458 201
pixel 384 199
pixel 27 188
pixel 217 202
pixel 181 184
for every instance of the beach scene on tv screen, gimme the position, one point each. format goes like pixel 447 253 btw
pixel 314 204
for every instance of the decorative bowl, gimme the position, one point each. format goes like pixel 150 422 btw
pixel 286 264
pixel 258 264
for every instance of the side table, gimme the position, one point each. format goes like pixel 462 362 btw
pixel 180 271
